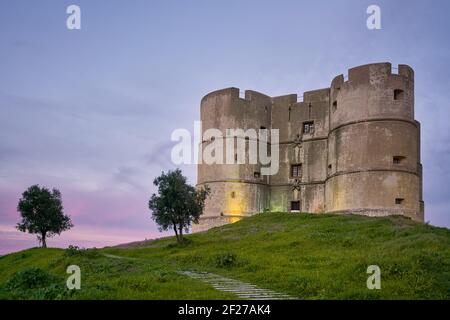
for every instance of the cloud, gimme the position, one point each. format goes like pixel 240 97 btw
pixel 161 154
pixel 126 175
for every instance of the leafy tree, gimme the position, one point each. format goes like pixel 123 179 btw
pixel 42 213
pixel 177 204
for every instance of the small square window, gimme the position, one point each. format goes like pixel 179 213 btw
pixel 308 127
pixel 262 128
pixel 295 205
pixel 398 159
pixel 296 170
pixel 398 94
pixel 399 200
pixel 257 175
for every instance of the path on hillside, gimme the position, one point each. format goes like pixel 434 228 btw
pixel 113 256
pixel 241 289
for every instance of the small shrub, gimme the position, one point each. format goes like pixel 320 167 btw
pixel 194 258
pixel 55 291
pixel 161 276
pixel 360 294
pixel 30 278
pixel 226 260
pixel 396 269
pixel 294 244
pixel 252 268
pixel 77 251
pixel 72 250
pixel 348 243
pixel 186 242
pixel 303 286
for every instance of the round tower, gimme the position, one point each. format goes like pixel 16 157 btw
pixel 374 145
pixel 237 189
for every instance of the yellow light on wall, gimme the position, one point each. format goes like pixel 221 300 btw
pixel 235 219
pixel 235 203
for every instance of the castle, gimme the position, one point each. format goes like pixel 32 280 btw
pixel 351 148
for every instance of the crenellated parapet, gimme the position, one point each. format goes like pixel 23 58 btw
pixel 372 92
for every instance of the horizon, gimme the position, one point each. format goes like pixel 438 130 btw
pixel 90 112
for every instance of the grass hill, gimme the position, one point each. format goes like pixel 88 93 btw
pixel 303 255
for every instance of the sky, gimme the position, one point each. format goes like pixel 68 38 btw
pixel 90 112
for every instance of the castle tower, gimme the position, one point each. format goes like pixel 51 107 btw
pixel 374 144
pixel 237 190
pixel 351 148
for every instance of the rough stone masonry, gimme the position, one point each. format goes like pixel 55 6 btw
pixel 351 148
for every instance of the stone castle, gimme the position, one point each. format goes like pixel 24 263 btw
pixel 351 148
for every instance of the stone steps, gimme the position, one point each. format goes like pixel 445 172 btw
pixel 241 289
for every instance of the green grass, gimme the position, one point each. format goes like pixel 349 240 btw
pixel 304 255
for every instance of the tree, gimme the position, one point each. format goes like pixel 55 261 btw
pixel 42 213
pixel 177 204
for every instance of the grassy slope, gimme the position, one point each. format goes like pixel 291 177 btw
pixel 308 256
pixel 101 277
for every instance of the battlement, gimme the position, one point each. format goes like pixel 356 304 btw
pixel 316 95
pixel 285 99
pixel 254 96
pixel 364 74
pixel 372 73
pixel 234 93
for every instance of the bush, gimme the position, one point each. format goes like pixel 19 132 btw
pixel 72 250
pixel 35 283
pixel 30 278
pixel 226 260
pixel 77 251
pixel 52 292
pixel 184 243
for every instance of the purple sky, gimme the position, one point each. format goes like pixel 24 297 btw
pixel 90 112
